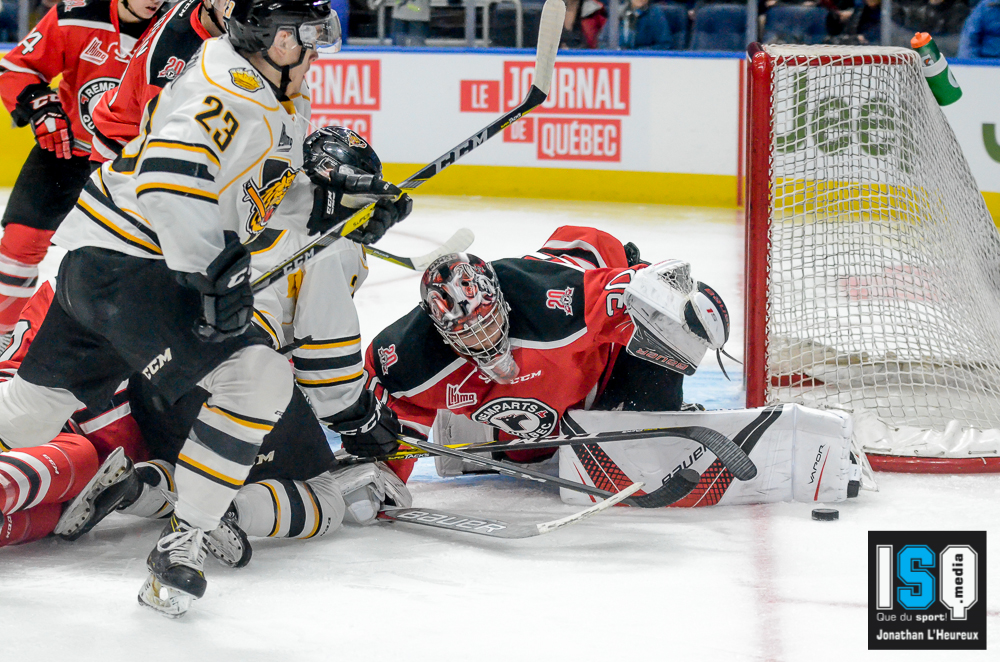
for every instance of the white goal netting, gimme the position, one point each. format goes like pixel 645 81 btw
pixel 884 284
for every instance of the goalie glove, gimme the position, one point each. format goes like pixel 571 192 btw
pixel 39 106
pixel 676 319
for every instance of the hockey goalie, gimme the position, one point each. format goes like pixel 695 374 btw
pixel 583 336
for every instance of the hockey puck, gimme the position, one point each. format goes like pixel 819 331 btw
pixel 826 514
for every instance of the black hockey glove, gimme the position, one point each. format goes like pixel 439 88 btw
pixel 226 296
pixel 39 106
pixel 341 193
pixel 385 215
pixel 374 432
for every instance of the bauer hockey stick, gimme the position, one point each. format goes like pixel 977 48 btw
pixel 549 34
pixel 732 456
pixel 498 528
pixel 675 488
pixel 457 243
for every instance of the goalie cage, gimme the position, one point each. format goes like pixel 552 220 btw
pixel 873 265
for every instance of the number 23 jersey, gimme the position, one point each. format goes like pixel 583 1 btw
pixel 217 151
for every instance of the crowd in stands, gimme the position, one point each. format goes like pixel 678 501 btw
pixel 966 28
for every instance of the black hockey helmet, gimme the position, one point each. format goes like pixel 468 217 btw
pixel 253 24
pixel 334 146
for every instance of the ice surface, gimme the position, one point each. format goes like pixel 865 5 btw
pixel 755 583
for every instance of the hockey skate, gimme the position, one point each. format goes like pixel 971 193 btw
pixel 176 570
pixel 228 543
pixel 116 484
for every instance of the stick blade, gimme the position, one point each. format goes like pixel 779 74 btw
pixel 550 29
pixel 457 243
pixel 676 488
pixel 600 506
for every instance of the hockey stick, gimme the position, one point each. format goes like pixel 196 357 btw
pixel 673 489
pixel 457 243
pixel 731 455
pixel 549 34
pixel 498 528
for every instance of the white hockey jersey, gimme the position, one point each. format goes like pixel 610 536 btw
pixel 217 151
pixel 313 308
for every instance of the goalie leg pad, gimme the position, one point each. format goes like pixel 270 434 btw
pixel 801 454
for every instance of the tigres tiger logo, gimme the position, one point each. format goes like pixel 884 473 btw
pixel 264 199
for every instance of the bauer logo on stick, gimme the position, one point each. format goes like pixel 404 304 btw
pixel 927 590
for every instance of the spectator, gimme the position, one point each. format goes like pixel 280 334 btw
pixel 8 22
pixel 645 26
pixel 862 25
pixel 981 34
pixel 938 17
pixel 411 22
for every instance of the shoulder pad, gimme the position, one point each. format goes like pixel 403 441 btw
pixel 173 47
pixel 409 352
pixel 228 71
pixel 547 302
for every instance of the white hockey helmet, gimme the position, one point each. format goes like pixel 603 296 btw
pixel 461 294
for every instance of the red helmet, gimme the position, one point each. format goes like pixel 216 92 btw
pixel 461 294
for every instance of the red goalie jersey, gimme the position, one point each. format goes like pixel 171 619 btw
pixel 82 42
pixel 158 59
pixel 567 326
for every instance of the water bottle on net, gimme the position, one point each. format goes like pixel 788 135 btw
pixel 936 71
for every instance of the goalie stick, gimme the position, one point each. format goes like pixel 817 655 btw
pixel 549 33
pixel 498 528
pixel 675 488
pixel 457 243
pixel 732 456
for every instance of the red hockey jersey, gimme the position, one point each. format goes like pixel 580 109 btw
pixel 567 325
pixel 108 428
pixel 80 41
pixel 158 59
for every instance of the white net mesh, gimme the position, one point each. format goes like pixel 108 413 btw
pixel 884 285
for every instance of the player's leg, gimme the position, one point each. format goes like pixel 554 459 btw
pixel 51 473
pixel 45 191
pixel 28 525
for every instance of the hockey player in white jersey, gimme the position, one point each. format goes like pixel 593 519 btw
pixel 157 279
pixel 295 488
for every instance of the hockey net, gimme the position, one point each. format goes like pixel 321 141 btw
pixel 873 265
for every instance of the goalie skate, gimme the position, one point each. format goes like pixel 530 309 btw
pixel 115 484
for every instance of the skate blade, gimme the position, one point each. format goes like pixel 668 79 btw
pixel 164 600
pixel 80 509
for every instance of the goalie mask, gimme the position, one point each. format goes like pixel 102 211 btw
pixel 461 294
pixel 676 319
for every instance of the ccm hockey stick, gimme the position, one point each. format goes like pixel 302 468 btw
pixel 731 455
pixel 674 489
pixel 457 243
pixel 549 33
pixel 498 528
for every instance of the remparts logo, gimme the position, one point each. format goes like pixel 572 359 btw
pixel 927 590
pixel 521 417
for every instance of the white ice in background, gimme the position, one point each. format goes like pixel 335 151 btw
pixel 734 584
